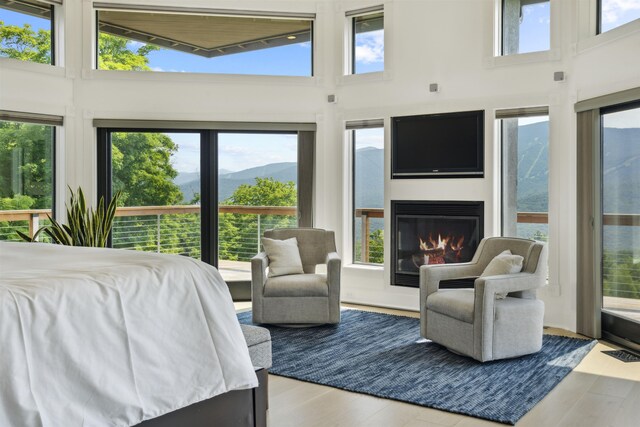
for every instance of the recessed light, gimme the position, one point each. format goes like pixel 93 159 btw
pixel 291 37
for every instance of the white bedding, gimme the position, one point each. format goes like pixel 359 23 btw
pixel 100 337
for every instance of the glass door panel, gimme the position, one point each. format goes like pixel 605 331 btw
pixel 158 174
pixel 257 190
pixel 621 220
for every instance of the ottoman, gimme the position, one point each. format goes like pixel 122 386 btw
pixel 259 343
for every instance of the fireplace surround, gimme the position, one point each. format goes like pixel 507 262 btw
pixel 432 232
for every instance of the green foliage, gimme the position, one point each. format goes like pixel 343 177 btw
pixel 26 163
pixel 620 275
pixel 25 44
pixel 265 192
pixel 115 54
pixel 376 247
pixel 142 169
pixel 84 227
pixel 238 232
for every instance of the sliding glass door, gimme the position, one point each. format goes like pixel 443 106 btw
pixel 208 194
pixel 158 177
pixel 257 190
pixel 620 200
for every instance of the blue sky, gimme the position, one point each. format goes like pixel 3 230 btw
pixel 534 28
pixel 236 151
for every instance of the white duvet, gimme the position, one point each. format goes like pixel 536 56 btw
pixel 101 337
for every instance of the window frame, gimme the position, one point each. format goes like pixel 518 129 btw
pixel 56 123
pixel 500 51
pixel 51 5
pixel 311 17
pixel 350 44
pixel 515 113
pixel 351 127
pixel 209 131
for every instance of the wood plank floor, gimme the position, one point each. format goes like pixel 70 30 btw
pixel 601 391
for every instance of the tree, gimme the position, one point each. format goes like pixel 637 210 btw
pixel 26 164
pixel 114 54
pixel 238 233
pixel 25 44
pixel 142 169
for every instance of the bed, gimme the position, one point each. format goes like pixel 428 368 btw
pixel 107 337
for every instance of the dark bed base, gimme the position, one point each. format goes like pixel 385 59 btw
pixel 242 408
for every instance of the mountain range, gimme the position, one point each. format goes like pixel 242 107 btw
pixel 621 164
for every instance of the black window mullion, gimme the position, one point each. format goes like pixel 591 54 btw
pixel 209 196
pixel 104 169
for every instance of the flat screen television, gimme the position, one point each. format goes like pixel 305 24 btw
pixel 448 145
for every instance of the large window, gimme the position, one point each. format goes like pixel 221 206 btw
pixel 27 152
pixel 366 47
pixel 26 31
pixel 620 169
pixel 525 167
pixel 183 41
pixel 367 143
pixel 525 26
pixel 206 193
pixel 614 13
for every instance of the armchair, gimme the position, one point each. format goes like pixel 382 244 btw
pixel 298 299
pixel 474 322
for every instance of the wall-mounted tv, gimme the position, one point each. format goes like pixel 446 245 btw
pixel 448 145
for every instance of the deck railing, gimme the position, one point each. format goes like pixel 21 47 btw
pixel 176 229
pixel 169 229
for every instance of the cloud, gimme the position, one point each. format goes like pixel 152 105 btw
pixel 370 47
pixel 613 10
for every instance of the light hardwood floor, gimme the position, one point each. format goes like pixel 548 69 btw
pixel 601 391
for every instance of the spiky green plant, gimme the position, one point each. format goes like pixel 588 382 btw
pixel 84 227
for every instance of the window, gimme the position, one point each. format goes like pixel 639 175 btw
pixel 26 31
pixel 206 192
pixel 614 13
pixel 620 199
pixel 525 172
pixel 367 41
pixel 185 41
pixel 367 145
pixel 27 170
pixel 525 26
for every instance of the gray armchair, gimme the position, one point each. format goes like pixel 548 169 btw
pixel 300 299
pixel 473 322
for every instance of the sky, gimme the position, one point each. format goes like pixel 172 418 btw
pixel 236 151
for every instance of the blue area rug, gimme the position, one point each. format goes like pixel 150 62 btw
pixel 377 354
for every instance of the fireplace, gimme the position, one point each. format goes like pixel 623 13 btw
pixel 430 232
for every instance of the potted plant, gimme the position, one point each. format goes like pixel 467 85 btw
pixel 84 227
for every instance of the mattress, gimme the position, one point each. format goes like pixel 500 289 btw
pixel 100 337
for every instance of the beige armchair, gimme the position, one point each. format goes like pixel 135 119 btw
pixel 300 299
pixel 475 323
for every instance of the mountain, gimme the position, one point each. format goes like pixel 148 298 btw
pixel 621 165
pixel 228 181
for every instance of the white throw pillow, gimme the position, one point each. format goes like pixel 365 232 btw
pixel 284 256
pixel 503 263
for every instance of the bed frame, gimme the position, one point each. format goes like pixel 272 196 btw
pixel 242 408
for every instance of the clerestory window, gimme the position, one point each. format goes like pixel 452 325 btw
pixel 204 41
pixel 526 26
pixel 366 40
pixel 27 31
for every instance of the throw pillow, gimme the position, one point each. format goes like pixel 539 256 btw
pixel 284 256
pixel 503 263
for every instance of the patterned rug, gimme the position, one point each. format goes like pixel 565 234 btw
pixel 377 354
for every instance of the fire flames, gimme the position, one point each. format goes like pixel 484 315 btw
pixel 440 250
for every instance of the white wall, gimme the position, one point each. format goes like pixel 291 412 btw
pixel 450 42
